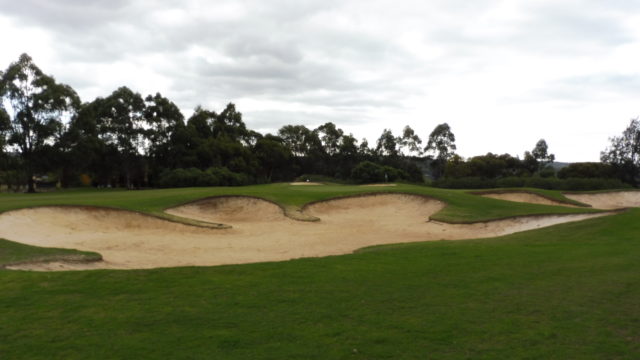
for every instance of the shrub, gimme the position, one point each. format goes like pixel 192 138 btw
pixel 369 172
pixel 195 177
pixel 465 183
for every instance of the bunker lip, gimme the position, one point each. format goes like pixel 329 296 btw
pixel 77 259
pixel 619 199
pixel 166 217
pixel 129 240
pixel 291 212
pixel 310 204
pixel 527 197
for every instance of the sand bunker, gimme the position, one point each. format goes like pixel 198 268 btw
pixel 230 210
pixel 609 200
pixel 525 197
pixel 305 183
pixel 260 232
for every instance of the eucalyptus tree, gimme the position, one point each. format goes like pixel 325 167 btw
pixel 541 153
pixel 82 151
pixel 36 105
pixel 229 125
pixel 5 125
pixel 121 124
pixel 409 142
pixel 331 138
pixel 299 139
pixel 624 153
pixel 163 122
pixel 387 144
pixel 274 158
pixel 441 147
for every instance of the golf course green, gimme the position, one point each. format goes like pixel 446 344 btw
pixel 568 291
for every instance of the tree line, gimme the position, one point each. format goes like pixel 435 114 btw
pixel 127 140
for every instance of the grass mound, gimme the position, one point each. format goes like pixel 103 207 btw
pixel 12 253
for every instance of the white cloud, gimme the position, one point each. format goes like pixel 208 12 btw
pixel 502 73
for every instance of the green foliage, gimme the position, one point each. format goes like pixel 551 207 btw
pixel 409 142
pixel 541 153
pixel 368 172
pixel 196 177
pixel 587 170
pixel 274 158
pixel 441 147
pixel 35 105
pixel 624 153
pixel 387 144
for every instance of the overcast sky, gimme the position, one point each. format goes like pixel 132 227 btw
pixel 503 74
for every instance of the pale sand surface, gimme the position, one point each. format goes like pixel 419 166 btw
pixel 305 183
pixel 609 200
pixel 261 232
pixel 527 198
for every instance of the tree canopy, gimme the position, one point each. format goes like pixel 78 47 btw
pixel 127 139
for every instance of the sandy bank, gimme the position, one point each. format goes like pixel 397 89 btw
pixel 260 232
pixel 609 200
pixel 525 197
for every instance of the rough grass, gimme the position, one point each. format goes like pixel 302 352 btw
pixel 566 292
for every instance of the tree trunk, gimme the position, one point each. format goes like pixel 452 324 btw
pixel 30 183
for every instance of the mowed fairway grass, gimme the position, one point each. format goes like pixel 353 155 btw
pixel 570 291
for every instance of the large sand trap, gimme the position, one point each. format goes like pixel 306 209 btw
pixel 260 232
pixel 305 183
pixel 609 200
pixel 525 197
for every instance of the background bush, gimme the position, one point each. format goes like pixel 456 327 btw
pixel 215 176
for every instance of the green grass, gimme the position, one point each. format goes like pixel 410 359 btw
pixel 462 206
pixel 12 253
pixel 565 292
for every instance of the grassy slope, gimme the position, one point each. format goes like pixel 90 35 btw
pixel 15 253
pixel 463 207
pixel 566 292
pixel 549 194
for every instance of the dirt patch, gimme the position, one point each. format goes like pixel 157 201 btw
pixel 526 198
pixel 609 200
pixel 305 183
pixel 260 232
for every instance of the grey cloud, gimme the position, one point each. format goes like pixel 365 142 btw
pixel 66 14
pixel 595 87
pixel 254 46
pixel 557 29
pixel 272 120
